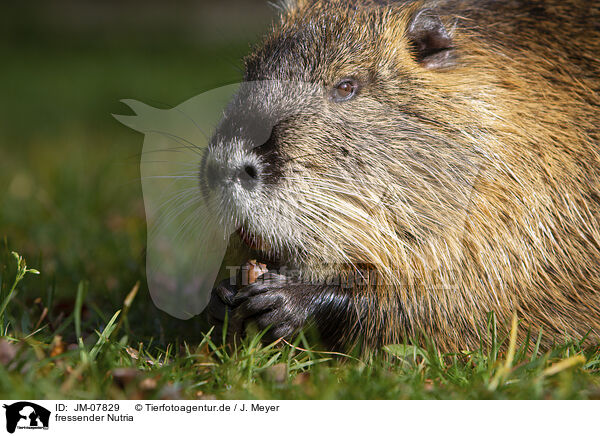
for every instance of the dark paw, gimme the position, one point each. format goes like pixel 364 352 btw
pixel 220 307
pixel 271 303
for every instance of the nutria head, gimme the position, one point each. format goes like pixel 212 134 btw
pixel 452 150
pixel 328 155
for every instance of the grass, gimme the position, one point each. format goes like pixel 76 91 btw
pixel 85 327
pixel 48 359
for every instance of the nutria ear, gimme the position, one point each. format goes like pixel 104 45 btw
pixel 431 42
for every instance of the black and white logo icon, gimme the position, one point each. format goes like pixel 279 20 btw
pixel 26 415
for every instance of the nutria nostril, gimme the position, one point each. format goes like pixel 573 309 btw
pixel 251 171
pixel 247 176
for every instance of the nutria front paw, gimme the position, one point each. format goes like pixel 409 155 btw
pixel 271 303
pixel 220 307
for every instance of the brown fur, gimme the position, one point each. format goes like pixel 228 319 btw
pixel 469 189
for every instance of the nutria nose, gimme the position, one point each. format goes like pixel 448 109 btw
pixel 247 176
pixel 214 173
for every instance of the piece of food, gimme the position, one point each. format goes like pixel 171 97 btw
pixel 251 271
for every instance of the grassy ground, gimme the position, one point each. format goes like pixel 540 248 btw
pixel 71 204
pixel 44 356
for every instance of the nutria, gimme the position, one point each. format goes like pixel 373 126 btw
pixel 448 159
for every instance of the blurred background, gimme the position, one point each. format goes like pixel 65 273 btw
pixel 70 195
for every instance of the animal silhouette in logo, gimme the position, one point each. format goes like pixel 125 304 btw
pixel 26 414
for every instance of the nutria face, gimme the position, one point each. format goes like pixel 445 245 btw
pixel 327 155
pixel 453 150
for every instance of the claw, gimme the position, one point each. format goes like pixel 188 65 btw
pixel 221 302
pixel 269 302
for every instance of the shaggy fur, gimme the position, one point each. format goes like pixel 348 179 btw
pixel 460 180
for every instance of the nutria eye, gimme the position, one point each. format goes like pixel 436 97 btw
pixel 345 90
